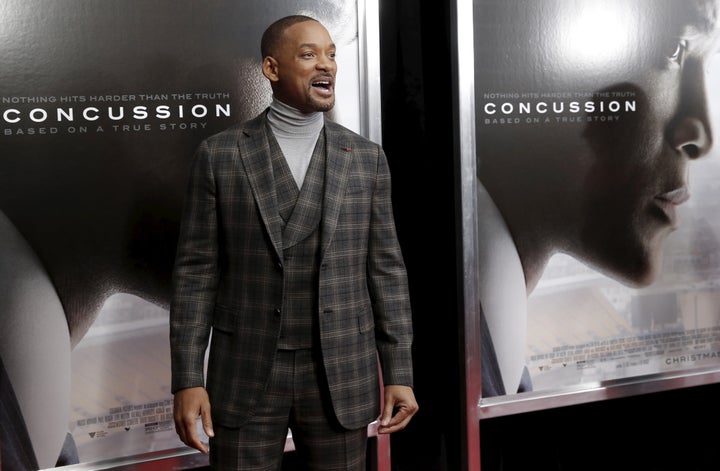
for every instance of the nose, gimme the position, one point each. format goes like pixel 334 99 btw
pixel 325 62
pixel 692 133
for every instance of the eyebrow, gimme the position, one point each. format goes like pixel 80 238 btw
pixel 704 16
pixel 314 45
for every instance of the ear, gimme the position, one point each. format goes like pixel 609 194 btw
pixel 270 69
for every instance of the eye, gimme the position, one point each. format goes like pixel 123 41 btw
pixel 678 51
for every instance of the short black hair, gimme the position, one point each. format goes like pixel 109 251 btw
pixel 273 33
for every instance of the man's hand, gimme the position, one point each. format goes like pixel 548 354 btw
pixel 400 399
pixel 188 405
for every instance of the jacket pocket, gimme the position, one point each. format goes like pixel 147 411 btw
pixel 366 323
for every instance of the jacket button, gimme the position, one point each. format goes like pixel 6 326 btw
pixel 277 312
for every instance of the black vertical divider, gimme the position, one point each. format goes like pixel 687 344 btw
pixel 417 134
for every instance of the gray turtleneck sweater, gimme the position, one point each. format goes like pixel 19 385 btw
pixel 296 133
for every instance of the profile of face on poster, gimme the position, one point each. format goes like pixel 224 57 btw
pixel 598 190
pixel 102 105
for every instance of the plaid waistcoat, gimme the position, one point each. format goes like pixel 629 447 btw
pixel 300 212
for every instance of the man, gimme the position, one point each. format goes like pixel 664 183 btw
pixel 601 184
pixel 87 215
pixel 288 252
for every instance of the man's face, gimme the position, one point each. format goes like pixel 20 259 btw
pixel 304 68
pixel 603 191
pixel 638 169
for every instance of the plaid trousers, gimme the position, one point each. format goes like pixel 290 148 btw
pixel 297 398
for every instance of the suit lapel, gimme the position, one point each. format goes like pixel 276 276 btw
pixel 255 157
pixel 339 155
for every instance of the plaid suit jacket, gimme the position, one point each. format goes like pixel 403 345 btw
pixel 228 276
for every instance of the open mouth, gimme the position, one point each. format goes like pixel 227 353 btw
pixel 324 86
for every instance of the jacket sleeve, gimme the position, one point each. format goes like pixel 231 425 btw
pixel 195 275
pixel 388 285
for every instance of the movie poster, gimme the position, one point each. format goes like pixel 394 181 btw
pixel 102 105
pixel 598 190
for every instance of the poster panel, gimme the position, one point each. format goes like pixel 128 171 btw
pixel 598 192
pixel 102 105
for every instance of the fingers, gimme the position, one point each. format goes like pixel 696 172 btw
pixel 396 422
pixel 401 401
pixel 207 421
pixel 189 404
pixel 191 437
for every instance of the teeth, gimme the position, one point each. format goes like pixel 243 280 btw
pixel 323 85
